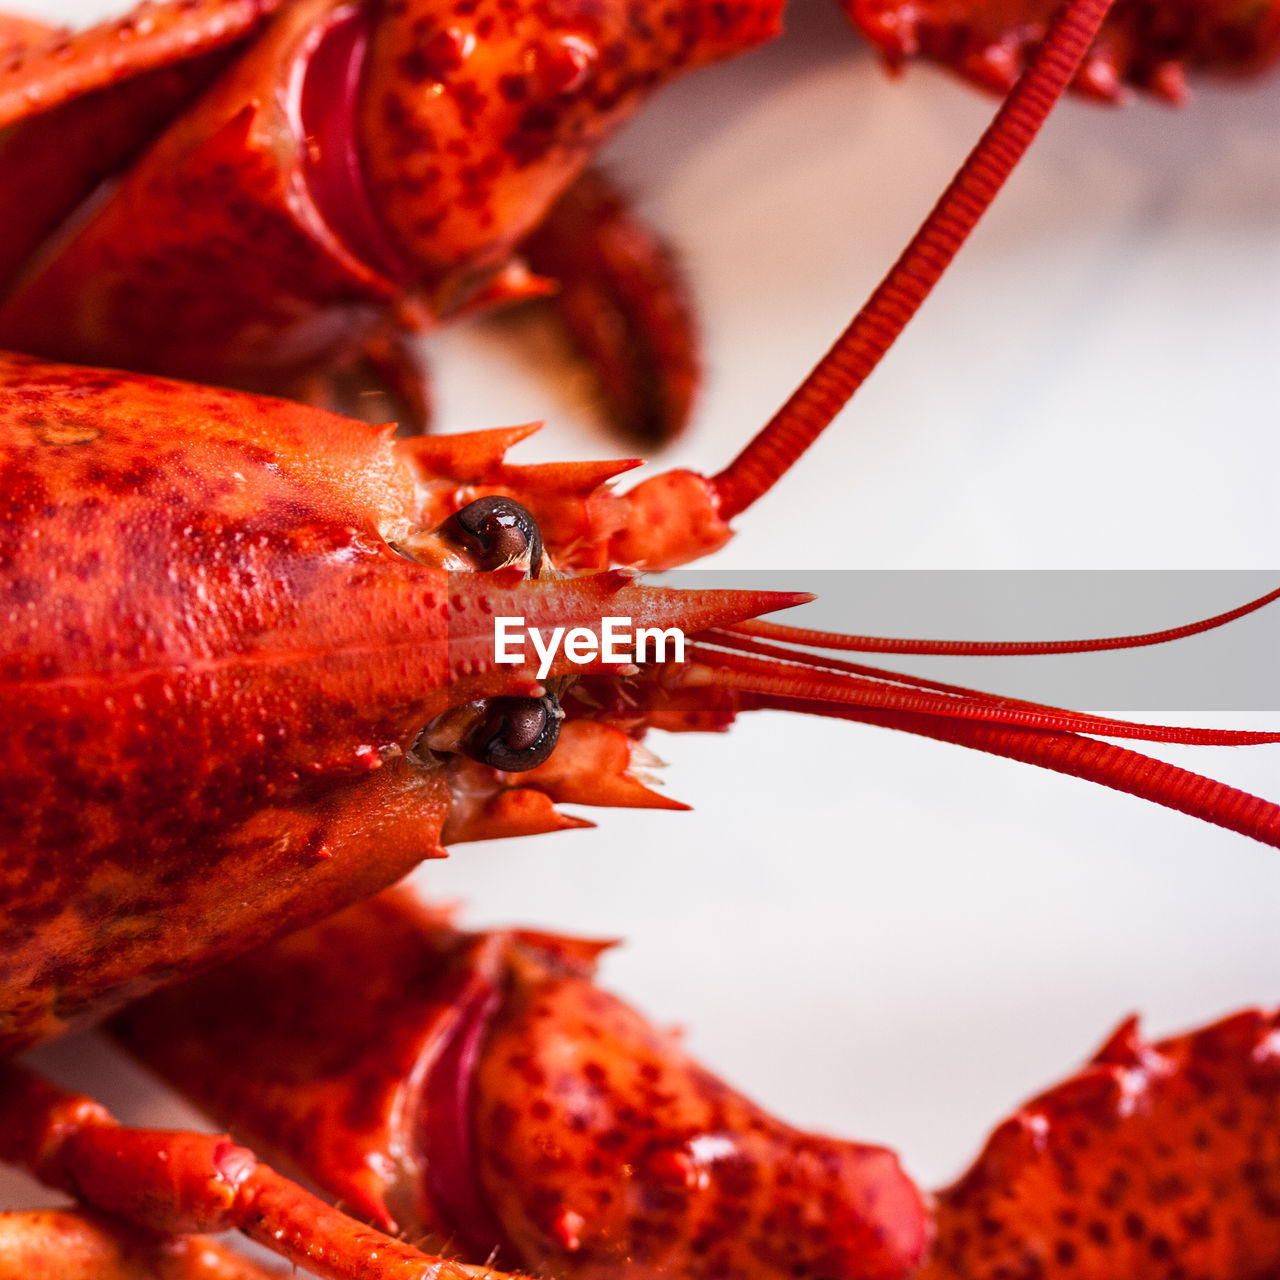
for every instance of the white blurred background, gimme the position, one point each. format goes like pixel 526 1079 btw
pixel 890 939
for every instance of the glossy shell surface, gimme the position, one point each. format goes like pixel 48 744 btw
pixel 889 938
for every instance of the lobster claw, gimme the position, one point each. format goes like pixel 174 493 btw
pixel 642 1159
pixel 507 1103
pixel 490 110
pixel 282 213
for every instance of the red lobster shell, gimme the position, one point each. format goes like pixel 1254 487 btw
pixel 1090 840
pixel 1149 45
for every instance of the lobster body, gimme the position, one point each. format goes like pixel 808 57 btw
pixel 525 1018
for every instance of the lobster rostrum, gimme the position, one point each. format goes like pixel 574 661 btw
pixel 279 195
pixel 326 818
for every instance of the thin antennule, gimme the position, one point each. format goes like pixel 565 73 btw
pixel 1028 732
pixel 759 675
pixel 992 648
pixel 749 666
pixel 1119 768
pixel 858 350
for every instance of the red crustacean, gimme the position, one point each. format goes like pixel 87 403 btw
pixel 70 396
pixel 278 195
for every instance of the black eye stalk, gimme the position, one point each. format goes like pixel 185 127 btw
pixel 515 734
pixel 497 532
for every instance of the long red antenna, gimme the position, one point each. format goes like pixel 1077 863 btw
pixel 993 648
pixel 874 329
pixel 740 672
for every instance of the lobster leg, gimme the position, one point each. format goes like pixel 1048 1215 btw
pixel 356 169
pixel 383 379
pixel 63 1244
pixel 1156 1160
pixel 177 1183
pixel 624 302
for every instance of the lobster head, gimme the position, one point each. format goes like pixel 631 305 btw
pixel 473 117
pixel 249 668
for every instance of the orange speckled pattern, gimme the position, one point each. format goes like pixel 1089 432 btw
pixel 1147 43
pixel 213 668
pixel 598 1148
pixel 1159 1161
pixel 605 1151
pixel 476 113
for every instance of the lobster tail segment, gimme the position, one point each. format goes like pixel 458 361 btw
pixel 1156 1160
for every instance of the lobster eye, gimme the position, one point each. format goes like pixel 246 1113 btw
pixel 515 733
pixel 497 531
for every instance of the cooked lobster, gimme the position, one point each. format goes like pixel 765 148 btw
pixel 65 442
